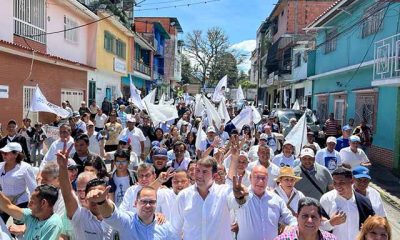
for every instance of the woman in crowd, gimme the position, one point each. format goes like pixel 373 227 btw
pixel 98 167
pixel 375 228
pixel 16 176
pixel 287 157
pixel 191 144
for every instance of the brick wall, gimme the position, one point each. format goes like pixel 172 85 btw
pixel 14 72
pixel 307 11
pixel 382 156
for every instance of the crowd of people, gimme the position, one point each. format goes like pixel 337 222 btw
pixel 113 173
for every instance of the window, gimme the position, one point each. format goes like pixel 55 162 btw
pixel 29 19
pixel 330 44
pixel 109 41
pixel 297 59
pixel 322 108
pixel 72 34
pixel 27 97
pixel 120 49
pixel 373 18
pixel 367 108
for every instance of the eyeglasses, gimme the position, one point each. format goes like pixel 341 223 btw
pixel 147 201
pixel 262 178
pixel 145 176
pixel 121 162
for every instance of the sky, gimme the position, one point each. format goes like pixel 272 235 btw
pixel 240 19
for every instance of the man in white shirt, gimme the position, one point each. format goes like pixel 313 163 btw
pixel 264 152
pixel 202 210
pixel 347 209
pixel 136 137
pixel 100 120
pixel 180 161
pixel 259 213
pixel 329 157
pixel 354 156
pixel 361 185
pixel 94 145
pixel 85 217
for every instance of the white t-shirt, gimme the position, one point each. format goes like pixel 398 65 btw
pixel 351 158
pixel 281 161
pixel 87 226
pixel 330 160
pixel 100 120
pixel 376 202
pixel 122 185
pixel 136 136
pixel 94 144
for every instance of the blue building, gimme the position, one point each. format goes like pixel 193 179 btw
pixel 356 73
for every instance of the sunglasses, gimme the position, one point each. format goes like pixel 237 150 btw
pixel 121 162
pixel 147 201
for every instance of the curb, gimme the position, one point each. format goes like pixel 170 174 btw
pixel 387 197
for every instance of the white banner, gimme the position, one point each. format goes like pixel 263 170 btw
pixel 135 95
pixel 39 103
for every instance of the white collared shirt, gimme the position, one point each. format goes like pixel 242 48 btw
pixel 136 136
pixel 56 146
pixel 258 218
pixel 206 219
pixel 166 200
pixel 294 204
pixel 351 158
pixel 332 202
pixel 273 172
pixel 129 199
pixel 376 201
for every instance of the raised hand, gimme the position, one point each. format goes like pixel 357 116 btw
pixel 98 195
pixel 165 176
pixel 239 191
pixel 338 218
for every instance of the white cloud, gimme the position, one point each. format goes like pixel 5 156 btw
pixel 245 47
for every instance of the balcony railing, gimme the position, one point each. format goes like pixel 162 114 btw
pixel 141 67
pixel 387 61
pixel 30 31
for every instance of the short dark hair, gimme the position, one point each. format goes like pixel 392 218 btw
pixel 308 201
pixel 122 154
pixel 67 126
pixel 178 143
pixel 144 188
pixel 93 183
pixel 209 162
pixel 82 137
pixel 98 164
pixel 47 192
pixel 342 171
pixel 12 121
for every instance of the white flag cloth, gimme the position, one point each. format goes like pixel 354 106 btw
pixel 161 113
pixel 201 135
pixel 256 116
pixel 285 98
pixel 162 99
pixel 296 105
pixel 223 111
pixel 212 113
pixel 245 117
pixel 135 95
pixel 239 93
pixel 298 135
pixel 199 107
pixel 39 103
pixel 220 89
pixel 150 97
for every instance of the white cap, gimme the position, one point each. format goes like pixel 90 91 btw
pixel 307 152
pixel 12 146
pixel 211 129
pixel 331 140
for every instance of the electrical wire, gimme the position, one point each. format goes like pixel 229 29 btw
pixel 155 3
pixel 176 6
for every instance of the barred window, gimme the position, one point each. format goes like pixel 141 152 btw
pixel 367 108
pixel 322 108
pixel 71 34
pixel 29 19
pixel 120 49
pixel 373 18
pixel 331 41
pixel 109 41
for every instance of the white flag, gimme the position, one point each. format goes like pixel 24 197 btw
pixel 220 89
pixel 256 116
pixel 285 98
pixel 39 103
pixel 135 95
pixel 160 112
pixel 212 113
pixel 151 97
pixel 201 135
pixel 162 99
pixel 199 107
pixel 223 111
pixel 298 135
pixel 239 93
pixel 245 117
pixel 296 105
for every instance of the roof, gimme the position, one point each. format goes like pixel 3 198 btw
pixel 161 29
pixel 53 57
pixel 174 20
pixel 329 13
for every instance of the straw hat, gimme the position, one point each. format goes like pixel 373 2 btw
pixel 287 172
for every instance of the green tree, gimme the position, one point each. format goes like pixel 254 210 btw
pixel 225 65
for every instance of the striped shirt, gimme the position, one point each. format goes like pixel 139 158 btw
pixel 331 127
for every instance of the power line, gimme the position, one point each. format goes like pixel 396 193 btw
pixel 155 3
pixel 176 6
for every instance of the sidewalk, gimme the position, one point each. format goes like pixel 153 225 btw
pixel 387 184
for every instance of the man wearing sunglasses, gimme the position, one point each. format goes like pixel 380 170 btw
pixel 139 225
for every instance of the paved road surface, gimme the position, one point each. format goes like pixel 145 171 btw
pixel 393 215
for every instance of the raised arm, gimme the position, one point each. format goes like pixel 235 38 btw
pixel 9 208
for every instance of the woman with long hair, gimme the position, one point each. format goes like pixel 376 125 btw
pixel 375 228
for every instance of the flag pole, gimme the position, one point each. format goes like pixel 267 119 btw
pixel 29 109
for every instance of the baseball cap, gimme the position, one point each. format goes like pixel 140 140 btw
pixel 354 139
pixel 76 114
pixel 211 129
pixel 331 140
pixel 346 127
pixel 361 172
pixel 155 144
pixel 90 123
pixel 124 139
pixel 71 164
pixel 131 119
pixel 184 123
pixel 160 152
pixel 244 154
pixel 11 146
pixel 307 152
pixel 264 137
pixel 288 142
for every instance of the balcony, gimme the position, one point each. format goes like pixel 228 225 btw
pixel 141 67
pixel 387 62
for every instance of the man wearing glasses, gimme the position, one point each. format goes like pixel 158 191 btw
pixel 140 225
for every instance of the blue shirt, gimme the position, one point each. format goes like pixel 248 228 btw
pixel 49 229
pixel 341 143
pixel 130 226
